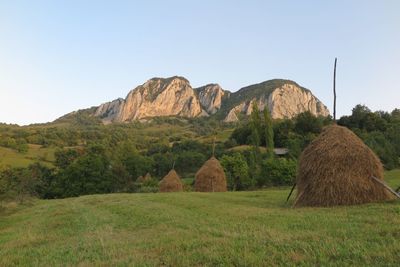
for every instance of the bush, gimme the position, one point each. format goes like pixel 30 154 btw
pixel 188 162
pixel 150 186
pixel 278 171
pixel 236 171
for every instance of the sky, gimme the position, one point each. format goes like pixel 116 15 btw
pixel 61 56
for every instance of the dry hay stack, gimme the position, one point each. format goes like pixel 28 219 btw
pixel 210 177
pixel 171 182
pixel 147 177
pixel 142 179
pixel 336 169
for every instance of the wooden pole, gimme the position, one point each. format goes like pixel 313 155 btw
pixel 291 191
pixel 334 91
pixel 385 185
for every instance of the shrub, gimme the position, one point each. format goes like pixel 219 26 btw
pixel 278 171
pixel 236 171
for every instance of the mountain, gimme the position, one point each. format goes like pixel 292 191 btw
pixel 211 97
pixel 284 99
pixel 175 96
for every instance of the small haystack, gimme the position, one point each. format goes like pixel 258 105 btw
pixel 171 182
pixel 142 179
pixel 139 179
pixel 337 169
pixel 147 177
pixel 210 177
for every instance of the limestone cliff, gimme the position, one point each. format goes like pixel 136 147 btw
pixel 157 97
pixel 285 100
pixel 175 97
pixel 211 96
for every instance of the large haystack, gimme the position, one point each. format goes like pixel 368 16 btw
pixel 171 182
pixel 210 177
pixel 336 169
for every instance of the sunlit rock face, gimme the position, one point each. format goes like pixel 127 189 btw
pixel 285 101
pixel 211 96
pixel 157 97
pixel 175 97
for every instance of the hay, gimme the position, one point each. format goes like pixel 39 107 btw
pixel 142 179
pixel 210 177
pixel 336 169
pixel 171 182
pixel 147 177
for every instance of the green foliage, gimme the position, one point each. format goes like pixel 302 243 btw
pixel 293 134
pixel 163 163
pixel 188 162
pixel 150 186
pixel 269 133
pixel 306 122
pixel 18 184
pixel 94 158
pixel 379 130
pixel 88 174
pixel 64 157
pixel 382 147
pixel 255 124
pixel 278 171
pixel 241 135
pixel 236 171
pixel 135 163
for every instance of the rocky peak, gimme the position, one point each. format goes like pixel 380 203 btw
pixel 210 97
pixel 284 101
pixel 157 97
pixel 174 96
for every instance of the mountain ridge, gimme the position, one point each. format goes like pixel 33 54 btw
pixel 174 96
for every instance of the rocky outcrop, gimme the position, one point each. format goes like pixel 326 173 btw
pixel 157 97
pixel 110 110
pixel 290 100
pixel 210 97
pixel 285 101
pixel 175 97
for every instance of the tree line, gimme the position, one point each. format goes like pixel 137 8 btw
pixel 111 158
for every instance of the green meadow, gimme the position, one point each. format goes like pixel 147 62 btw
pixel 255 228
pixel 35 153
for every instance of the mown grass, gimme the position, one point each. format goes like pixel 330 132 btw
pixel 196 229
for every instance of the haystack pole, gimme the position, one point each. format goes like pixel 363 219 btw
pixel 334 116
pixel 334 91
pixel 385 186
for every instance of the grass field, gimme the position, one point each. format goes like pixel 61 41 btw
pixel 196 229
pixel 10 157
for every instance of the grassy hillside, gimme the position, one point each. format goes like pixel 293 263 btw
pixel 10 157
pixel 192 229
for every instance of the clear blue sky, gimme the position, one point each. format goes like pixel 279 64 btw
pixel 60 56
